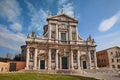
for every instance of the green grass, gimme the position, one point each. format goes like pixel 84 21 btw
pixel 35 76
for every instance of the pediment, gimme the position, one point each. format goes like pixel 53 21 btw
pixel 63 17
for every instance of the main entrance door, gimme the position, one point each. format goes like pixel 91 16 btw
pixel 84 65
pixel 42 64
pixel 12 67
pixel 64 63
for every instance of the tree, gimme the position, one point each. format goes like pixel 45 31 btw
pixel 8 56
pixel 17 57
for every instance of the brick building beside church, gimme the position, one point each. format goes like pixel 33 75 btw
pixel 109 58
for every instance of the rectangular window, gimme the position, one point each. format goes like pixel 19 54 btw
pixel 118 66
pixel 63 36
pixel 111 53
pixel 112 60
pixel 74 29
pixel 113 66
pixel 117 60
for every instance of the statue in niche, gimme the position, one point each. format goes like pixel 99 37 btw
pixel 53 34
pixel 31 55
pixel 92 56
pixel 64 51
pixel 73 36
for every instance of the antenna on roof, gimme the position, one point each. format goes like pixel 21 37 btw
pixel 74 16
pixel 62 11
pixel 49 14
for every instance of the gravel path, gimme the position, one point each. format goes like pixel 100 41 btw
pixel 105 76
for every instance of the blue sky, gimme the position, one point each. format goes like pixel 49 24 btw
pixel 99 18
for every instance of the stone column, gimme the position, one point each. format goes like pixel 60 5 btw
pixel 95 60
pixel 49 30
pixel 35 59
pixel 78 59
pixel 39 64
pixel 46 64
pixel 72 67
pixel 69 63
pixel 56 59
pixel 89 55
pixel 49 61
pixel 56 33
pixel 60 63
pixel 27 59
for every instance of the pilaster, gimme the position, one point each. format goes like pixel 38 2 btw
pixel 76 34
pixel 56 33
pixel 49 30
pixel 70 34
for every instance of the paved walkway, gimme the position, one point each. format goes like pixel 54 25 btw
pixel 105 76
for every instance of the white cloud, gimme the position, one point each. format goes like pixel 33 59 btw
pixel 10 10
pixel 61 2
pixel 68 9
pixel 109 23
pixel 11 40
pixel 16 27
pixel 108 40
pixel 38 18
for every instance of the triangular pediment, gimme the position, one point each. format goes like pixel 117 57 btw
pixel 63 17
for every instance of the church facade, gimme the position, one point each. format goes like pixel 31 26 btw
pixel 61 47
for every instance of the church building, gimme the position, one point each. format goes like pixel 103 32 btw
pixel 60 47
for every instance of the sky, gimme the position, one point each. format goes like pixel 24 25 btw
pixel 98 18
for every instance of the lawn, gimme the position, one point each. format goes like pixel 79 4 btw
pixel 35 76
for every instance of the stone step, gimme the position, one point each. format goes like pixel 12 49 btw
pixel 100 70
pixel 52 71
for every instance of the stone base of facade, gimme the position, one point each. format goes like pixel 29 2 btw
pixel 26 68
pixel 62 71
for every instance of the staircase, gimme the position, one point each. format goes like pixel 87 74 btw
pixel 100 70
pixel 62 71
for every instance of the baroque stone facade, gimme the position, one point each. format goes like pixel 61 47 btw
pixel 60 47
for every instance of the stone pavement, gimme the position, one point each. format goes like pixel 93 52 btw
pixel 105 76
